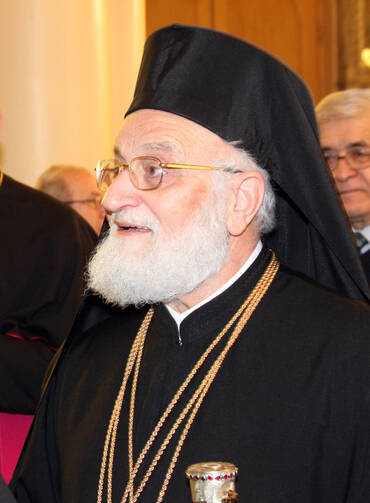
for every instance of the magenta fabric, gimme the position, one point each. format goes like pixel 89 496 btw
pixel 13 432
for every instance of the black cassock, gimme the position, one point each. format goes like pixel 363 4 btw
pixel 44 249
pixel 290 405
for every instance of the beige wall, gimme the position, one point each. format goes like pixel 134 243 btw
pixel 68 70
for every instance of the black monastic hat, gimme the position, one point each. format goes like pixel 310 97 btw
pixel 242 93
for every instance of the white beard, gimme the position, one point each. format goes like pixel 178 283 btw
pixel 124 274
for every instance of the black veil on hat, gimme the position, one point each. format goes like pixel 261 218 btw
pixel 242 93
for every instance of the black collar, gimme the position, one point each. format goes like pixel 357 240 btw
pixel 213 315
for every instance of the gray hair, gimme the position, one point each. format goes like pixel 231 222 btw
pixel 52 181
pixel 265 218
pixel 343 105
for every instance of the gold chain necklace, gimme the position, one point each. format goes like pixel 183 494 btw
pixel 1 176
pixel 133 363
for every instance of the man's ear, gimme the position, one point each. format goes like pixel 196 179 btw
pixel 247 192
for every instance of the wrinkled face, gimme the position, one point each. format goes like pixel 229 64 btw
pixel 353 185
pixel 173 204
pixel 82 188
pixel 164 242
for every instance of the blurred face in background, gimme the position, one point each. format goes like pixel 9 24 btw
pixel 85 197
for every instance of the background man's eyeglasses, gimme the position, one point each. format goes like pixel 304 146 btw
pixel 145 172
pixel 357 157
pixel 92 200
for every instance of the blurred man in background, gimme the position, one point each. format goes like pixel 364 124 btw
pixel 344 121
pixel 75 186
pixel 44 249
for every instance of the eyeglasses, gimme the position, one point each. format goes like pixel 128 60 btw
pixel 145 172
pixel 93 200
pixel 357 157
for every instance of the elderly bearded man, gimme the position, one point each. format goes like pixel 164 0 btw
pixel 204 347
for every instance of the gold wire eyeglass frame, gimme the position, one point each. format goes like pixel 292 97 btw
pixel 119 167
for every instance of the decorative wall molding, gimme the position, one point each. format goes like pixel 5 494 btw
pixel 354 37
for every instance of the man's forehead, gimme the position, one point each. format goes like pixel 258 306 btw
pixel 148 147
pixel 156 130
pixel 346 130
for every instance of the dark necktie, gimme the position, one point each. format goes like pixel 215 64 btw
pixel 362 243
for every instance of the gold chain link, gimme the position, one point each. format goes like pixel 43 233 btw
pixel 133 362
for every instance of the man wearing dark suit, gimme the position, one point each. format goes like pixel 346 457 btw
pixel 344 120
pixel 44 249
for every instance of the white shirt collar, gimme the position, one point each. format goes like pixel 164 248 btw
pixel 178 317
pixel 365 232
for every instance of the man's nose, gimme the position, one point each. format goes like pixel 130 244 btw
pixel 343 170
pixel 121 193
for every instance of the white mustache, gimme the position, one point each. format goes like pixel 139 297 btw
pixel 133 218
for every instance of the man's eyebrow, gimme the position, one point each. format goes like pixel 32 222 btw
pixel 157 146
pixel 360 143
pixel 164 146
pixel 327 149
